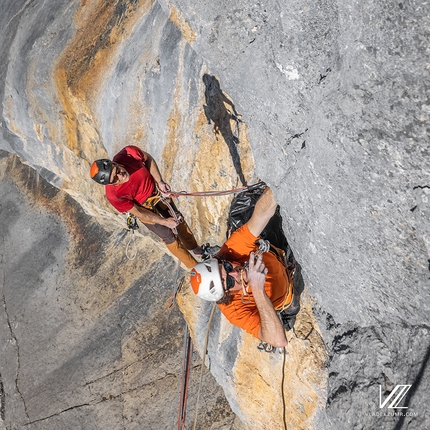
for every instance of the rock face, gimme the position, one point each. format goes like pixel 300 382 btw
pixel 88 339
pixel 327 102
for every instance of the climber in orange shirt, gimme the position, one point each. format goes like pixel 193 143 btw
pixel 249 286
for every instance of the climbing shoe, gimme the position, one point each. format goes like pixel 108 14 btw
pixel 288 321
pixel 209 251
pixel 266 347
pixel 288 315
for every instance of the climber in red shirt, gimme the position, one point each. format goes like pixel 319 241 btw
pixel 131 180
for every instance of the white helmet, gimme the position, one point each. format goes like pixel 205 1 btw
pixel 206 280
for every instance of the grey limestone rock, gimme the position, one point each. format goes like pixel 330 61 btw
pixel 327 102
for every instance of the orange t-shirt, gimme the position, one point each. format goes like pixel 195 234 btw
pixel 237 248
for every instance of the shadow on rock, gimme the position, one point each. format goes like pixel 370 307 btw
pixel 217 113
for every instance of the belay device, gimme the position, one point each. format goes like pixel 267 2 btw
pixel 131 226
pixel 132 222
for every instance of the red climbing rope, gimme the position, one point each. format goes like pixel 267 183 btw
pixel 186 367
pixel 214 193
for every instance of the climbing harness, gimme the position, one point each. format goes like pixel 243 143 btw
pixel 132 225
pixel 290 269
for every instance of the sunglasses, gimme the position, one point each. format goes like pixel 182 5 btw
pixel 228 267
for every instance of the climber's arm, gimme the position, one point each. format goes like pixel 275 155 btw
pixel 152 166
pixel 271 330
pixel 264 210
pixel 146 216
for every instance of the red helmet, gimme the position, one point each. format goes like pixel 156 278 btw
pixel 100 171
pixel 206 280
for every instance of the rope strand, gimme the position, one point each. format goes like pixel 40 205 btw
pixel 216 193
pixel 131 241
pixel 282 389
pixel 186 367
pixel 203 366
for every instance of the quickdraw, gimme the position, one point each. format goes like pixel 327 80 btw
pixel 263 246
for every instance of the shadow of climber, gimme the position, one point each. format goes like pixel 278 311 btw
pixel 217 113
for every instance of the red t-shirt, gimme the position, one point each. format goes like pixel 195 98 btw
pixel 138 188
pixel 237 248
